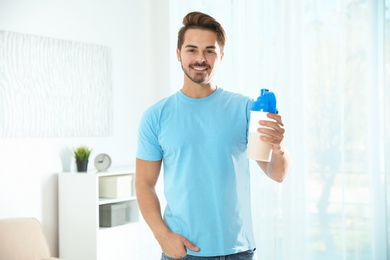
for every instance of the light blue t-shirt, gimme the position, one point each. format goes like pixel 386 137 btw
pixel 203 144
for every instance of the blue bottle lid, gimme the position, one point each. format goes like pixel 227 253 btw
pixel 266 102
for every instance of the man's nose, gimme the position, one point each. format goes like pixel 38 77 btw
pixel 201 57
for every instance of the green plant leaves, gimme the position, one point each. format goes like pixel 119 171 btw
pixel 82 153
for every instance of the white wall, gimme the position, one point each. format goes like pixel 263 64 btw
pixel 137 33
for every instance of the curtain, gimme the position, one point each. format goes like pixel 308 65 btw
pixel 328 63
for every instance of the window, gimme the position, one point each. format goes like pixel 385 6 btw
pixel 328 63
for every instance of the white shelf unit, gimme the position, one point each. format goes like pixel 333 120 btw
pixel 80 237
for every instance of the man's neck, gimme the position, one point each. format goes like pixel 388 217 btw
pixel 194 90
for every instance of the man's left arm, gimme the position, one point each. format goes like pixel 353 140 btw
pixel 279 165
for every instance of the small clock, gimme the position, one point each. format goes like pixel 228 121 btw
pixel 102 162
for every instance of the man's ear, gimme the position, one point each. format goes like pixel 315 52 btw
pixel 222 54
pixel 178 54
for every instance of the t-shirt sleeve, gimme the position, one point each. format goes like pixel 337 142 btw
pixel 148 146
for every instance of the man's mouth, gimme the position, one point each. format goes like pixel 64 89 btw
pixel 200 68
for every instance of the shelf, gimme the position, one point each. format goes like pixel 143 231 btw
pixel 103 201
pixel 79 213
pixel 117 171
pixel 108 229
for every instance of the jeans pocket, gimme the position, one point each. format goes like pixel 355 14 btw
pixel 250 252
pixel 245 255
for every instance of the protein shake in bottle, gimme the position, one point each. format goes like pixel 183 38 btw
pixel 265 103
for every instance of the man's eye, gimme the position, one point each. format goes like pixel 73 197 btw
pixel 191 50
pixel 210 52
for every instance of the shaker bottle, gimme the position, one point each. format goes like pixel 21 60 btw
pixel 265 103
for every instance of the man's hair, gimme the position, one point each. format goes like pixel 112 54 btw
pixel 198 20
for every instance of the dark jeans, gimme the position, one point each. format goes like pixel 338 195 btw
pixel 247 255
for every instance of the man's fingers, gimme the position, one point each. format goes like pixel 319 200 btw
pixel 276 117
pixel 190 245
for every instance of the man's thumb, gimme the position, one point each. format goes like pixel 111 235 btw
pixel 191 246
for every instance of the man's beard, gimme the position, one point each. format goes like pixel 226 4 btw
pixel 198 80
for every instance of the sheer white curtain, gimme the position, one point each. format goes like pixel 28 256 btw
pixel 329 64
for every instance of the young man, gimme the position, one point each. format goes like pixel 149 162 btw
pixel 200 133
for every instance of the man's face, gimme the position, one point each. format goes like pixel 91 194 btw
pixel 200 55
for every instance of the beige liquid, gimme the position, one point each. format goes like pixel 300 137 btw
pixel 257 149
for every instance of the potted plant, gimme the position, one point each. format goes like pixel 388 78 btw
pixel 82 155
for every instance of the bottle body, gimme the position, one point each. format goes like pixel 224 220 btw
pixel 257 149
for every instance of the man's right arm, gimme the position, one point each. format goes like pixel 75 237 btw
pixel 172 244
